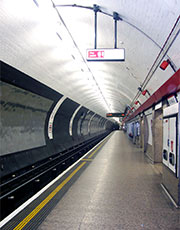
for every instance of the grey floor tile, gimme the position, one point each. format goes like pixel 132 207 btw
pixel 118 190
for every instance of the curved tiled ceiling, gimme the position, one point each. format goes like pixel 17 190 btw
pixel 49 43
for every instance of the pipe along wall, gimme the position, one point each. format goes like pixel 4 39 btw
pixel 38 122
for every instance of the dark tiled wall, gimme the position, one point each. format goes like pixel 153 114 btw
pixel 26 108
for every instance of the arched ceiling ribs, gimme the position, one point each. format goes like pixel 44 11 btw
pixel 92 100
pixel 116 110
pixel 166 46
pixel 77 47
pixel 118 105
pixel 113 89
pixel 116 99
pixel 45 37
pixel 118 93
pixel 113 100
pixel 119 83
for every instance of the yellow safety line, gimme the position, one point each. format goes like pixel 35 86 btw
pixel 51 195
pixel 92 154
pixel 86 159
pixel 48 198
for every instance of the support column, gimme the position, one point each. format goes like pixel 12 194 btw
pixel 157 131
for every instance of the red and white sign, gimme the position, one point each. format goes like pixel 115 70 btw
pixel 96 54
pixel 105 55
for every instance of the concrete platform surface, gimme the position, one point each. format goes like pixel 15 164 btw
pixel 118 190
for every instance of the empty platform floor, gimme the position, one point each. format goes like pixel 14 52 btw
pixel 118 190
pixel 113 187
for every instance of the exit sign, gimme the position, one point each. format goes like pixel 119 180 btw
pixel 105 55
pixel 115 115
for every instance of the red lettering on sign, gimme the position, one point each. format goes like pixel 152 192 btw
pixel 96 54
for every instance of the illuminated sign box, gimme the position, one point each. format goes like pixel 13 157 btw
pixel 105 55
pixel 115 115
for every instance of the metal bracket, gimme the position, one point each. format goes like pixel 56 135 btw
pixel 96 9
pixel 116 18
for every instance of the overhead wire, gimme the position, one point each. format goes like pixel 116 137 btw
pixel 54 6
pixel 149 75
pixel 156 62
pixel 159 58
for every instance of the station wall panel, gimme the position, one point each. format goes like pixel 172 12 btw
pixel 149 123
pixel 22 120
pixel 26 106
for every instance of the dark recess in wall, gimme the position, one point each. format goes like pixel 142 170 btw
pixel 17 160
pixel 15 77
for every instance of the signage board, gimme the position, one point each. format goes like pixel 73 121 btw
pixel 105 54
pixel 158 106
pixel 115 115
pixel 172 100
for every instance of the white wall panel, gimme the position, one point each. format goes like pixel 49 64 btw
pixel 149 120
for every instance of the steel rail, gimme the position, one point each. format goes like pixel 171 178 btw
pixel 50 164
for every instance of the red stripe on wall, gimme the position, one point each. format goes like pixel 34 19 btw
pixel 172 85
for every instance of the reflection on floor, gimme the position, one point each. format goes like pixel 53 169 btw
pixel 118 190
